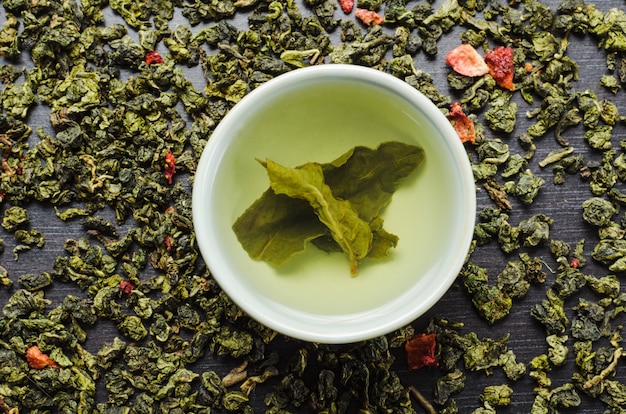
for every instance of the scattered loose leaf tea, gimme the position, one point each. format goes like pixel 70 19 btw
pixel 106 106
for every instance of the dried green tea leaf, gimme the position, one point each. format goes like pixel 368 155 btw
pixel 512 369
pixel 351 233
pixel 449 384
pixel 551 314
pixel 557 353
pixel 598 211
pixel 526 188
pixel 14 218
pixel 512 280
pixel 497 395
pixel 484 354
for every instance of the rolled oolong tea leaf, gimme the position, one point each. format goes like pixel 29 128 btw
pixel 14 218
pixel 451 383
pixel 598 211
pixel 351 233
pixel 497 395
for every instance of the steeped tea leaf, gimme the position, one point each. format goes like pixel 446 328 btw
pixel 382 241
pixel 369 177
pixel 276 226
pixel 306 182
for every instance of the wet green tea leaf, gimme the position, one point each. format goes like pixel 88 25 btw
pixel 369 177
pixel 382 241
pixel 275 227
pixel 278 226
pixel 351 233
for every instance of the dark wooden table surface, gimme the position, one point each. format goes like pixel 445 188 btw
pixel 527 340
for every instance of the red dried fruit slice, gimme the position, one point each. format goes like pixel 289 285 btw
pixel 465 60
pixel 501 66
pixel 463 126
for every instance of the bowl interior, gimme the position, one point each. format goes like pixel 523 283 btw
pixel 317 115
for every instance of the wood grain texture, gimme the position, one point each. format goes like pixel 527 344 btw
pixel 562 203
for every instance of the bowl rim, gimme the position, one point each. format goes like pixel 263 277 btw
pixel 316 328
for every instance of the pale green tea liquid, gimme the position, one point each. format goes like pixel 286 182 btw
pixel 319 123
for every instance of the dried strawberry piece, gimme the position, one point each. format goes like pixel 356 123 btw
pixel 420 351
pixel 369 17
pixel 153 57
pixel 38 360
pixel 463 126
pixel 346 5
pixel 501 66
pixel 126 288
pixel 465 60
pixel 170 166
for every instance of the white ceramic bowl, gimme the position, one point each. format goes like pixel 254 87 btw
pixel 311 114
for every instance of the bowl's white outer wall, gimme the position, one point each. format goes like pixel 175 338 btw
pixel 328 328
